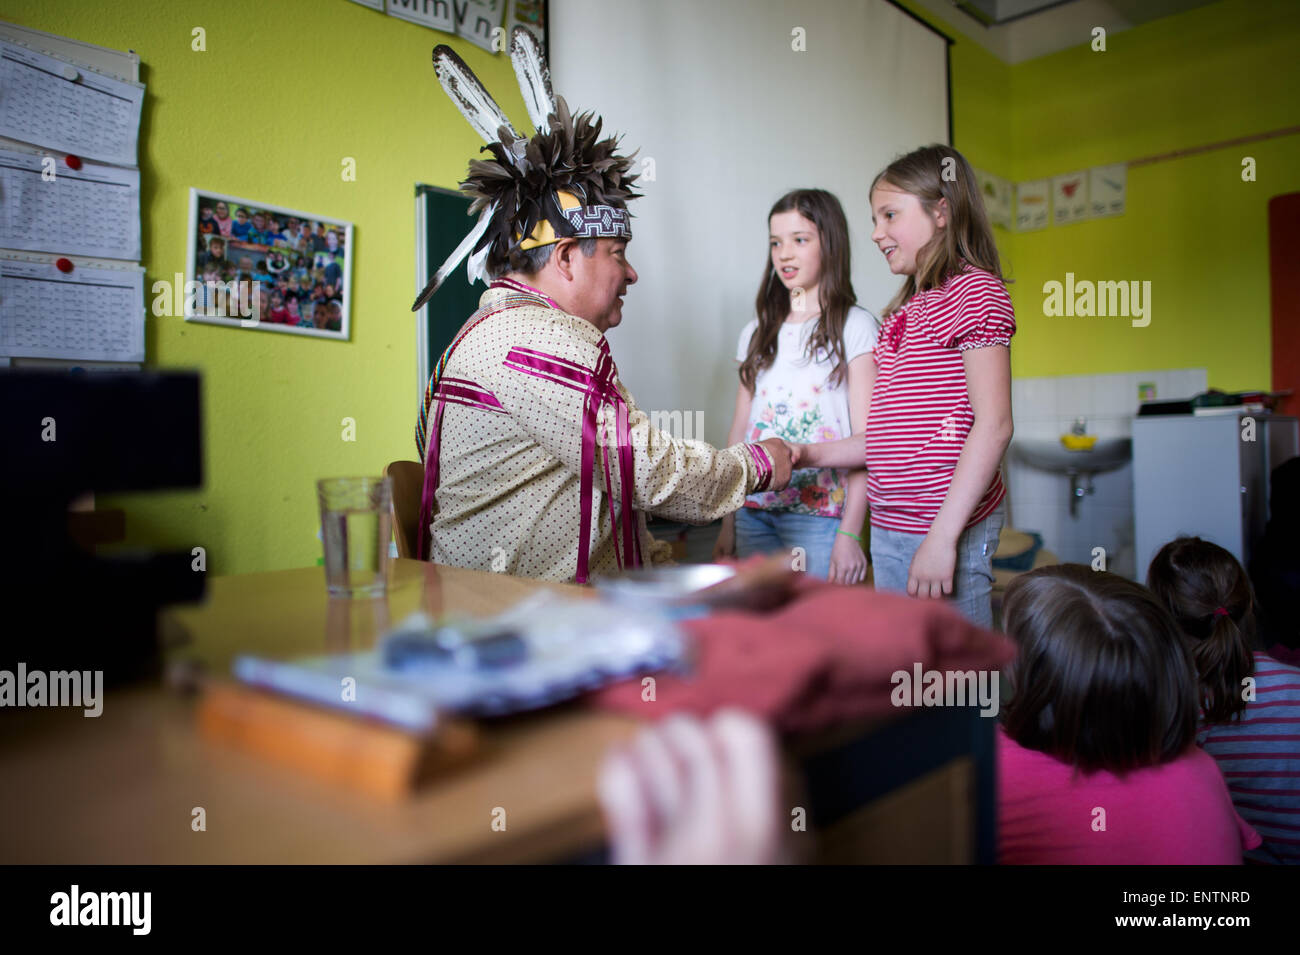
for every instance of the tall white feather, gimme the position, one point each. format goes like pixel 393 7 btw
pixel 453 260
pixel 474 102
pixel 534 76
pixel 476 267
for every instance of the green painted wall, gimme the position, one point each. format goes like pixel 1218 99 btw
pixel 284 92
pixel 1192 227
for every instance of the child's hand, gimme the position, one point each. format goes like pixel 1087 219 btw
pixel 690 792
pixel 932 567
pixel 848 562
pixel 797 452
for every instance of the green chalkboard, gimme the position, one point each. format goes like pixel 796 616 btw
pixel 442 223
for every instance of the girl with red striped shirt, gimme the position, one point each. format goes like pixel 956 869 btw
pixel 940 412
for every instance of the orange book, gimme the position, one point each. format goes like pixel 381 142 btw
pixel 358 753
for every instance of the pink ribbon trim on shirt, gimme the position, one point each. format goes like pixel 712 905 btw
pixel 517 286
pixel 476 398
pixel 599 388
pixel 461 392
pixel 430 478
pixel 763 464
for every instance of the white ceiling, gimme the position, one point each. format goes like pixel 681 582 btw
pixel 1057 28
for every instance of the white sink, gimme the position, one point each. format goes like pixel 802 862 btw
pixel 1050 455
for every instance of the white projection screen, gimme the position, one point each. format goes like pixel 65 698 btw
pixel 733 117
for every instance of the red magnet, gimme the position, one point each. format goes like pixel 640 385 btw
pixel 63 265
pixel 73 162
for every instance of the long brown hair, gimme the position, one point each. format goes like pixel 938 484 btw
pixel 1102 678
pixel 933 173
pixel 824 211
pixel 1211 600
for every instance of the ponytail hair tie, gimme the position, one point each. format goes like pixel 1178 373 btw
pixel 1220 612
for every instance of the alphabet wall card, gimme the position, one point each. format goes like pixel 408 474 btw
pixel 485 23
pixel 1070 198
pixel 1031 204
pixel 254 265
pixel 479 21
pixel 997 197
pixel 435 14
pixel 530 14
pixel 1107 187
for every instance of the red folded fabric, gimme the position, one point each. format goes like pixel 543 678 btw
pixel 825 657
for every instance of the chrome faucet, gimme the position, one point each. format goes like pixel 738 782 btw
pixel 1080 426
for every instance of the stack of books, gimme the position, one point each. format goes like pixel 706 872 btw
pixel 342 745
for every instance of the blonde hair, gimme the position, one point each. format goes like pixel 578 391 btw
pixel 935 173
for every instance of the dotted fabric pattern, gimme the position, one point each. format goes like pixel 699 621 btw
pixel 508 497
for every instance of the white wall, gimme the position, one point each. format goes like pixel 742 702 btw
pixel 1045 409
pixel 733 117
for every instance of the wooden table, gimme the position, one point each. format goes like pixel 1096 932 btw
pixel 123 788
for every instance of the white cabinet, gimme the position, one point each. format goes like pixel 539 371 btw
pixel 1206 477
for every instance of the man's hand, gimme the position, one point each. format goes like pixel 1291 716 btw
pixel 782 462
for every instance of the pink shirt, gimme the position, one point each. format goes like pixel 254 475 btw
pixel 1178 813
pixel 920 412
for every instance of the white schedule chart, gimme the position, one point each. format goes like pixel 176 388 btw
pixel 47 207
pixel 88 313
pixel 48 102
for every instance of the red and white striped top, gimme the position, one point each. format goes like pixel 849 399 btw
pixel 920 409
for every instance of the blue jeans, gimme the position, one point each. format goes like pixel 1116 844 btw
pixel 972 579
pixel 760 531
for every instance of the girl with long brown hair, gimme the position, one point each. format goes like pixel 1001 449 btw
pixel 940 415
pixel 805 376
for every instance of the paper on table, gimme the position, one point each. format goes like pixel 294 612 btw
pixel 89 313
pixel 49 102
pixel 94 210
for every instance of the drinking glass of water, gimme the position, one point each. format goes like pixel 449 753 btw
pixel 356 524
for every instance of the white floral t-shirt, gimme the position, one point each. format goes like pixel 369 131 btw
pixel 794 400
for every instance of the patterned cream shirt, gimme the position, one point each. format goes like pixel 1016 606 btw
pixel 506 452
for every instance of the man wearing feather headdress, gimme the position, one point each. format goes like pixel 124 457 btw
pixel 537 460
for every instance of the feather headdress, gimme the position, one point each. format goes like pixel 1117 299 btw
pixel 563 182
